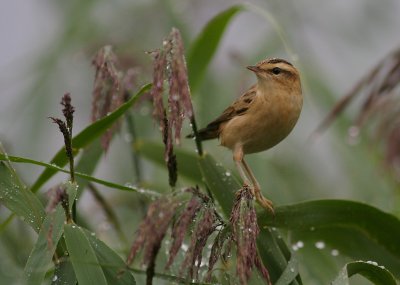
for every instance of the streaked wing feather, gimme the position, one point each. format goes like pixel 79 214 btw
pixel 238 108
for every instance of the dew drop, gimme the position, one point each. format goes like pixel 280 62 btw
pixel 320 245
pixel 184 247
pixel 334 252
pixel 300 244
pixel 372 262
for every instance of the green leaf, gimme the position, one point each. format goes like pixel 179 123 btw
pixel 40 259
pixel 64 273
pixel 86 136
pixel 88 162
pixel 171 278
pixel 110 262
pixel 220 181
pixel 72 190
pixel 290 273
pixel 354 229
pixel 205 45
pixel 6 222
pixel 80 175
pixel 370 270
pixel 17 197
pixel 82 255
pixel 187 161
pixel 274 254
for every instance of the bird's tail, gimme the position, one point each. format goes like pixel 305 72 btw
pixel 207 133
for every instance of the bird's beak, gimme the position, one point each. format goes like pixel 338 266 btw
pixel 254 68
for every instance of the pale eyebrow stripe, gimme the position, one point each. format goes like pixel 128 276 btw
pixel 278 60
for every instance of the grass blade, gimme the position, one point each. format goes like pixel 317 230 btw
pixel 220 181
pixel 55 168
pixel 84 261
pixel 17 197
pixel 110 262
pixel 40 259
pixel 290 273
pixel 87 163
pixel 205 45
pixel 64 273
pixel 370 270
pixel 86 136
pixel 171 279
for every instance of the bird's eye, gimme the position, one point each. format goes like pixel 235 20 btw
pixel 276 70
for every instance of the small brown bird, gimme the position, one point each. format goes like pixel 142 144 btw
pixel 261 118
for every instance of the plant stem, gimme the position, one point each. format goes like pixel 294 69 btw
pixel 197 140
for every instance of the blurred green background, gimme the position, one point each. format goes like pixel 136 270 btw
pixel 46 51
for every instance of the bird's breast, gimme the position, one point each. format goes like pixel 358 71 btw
pixel 268 122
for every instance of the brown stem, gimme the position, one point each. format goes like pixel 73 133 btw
pixel 151 267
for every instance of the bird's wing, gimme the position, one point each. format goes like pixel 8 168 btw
pixel 238 108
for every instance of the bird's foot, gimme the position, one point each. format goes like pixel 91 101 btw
pixel 264 202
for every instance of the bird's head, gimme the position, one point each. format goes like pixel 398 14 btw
pixel 276 73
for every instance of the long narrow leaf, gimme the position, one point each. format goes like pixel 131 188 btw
pixel 171 278
pixel 110 262
pixel 87 136
pixel 290 273
pixel 370 270
pixel 80 175
pixel 273 255
pixel 40 259
pixel 17 197
pixel 82 255
pixel 88 161
pixel 205 45
pixel 220 181
pixel 64 273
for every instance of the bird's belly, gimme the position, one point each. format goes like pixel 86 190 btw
pixel 257 133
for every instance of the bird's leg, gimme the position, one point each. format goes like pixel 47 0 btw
pixel 264 202
pixel 238 158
